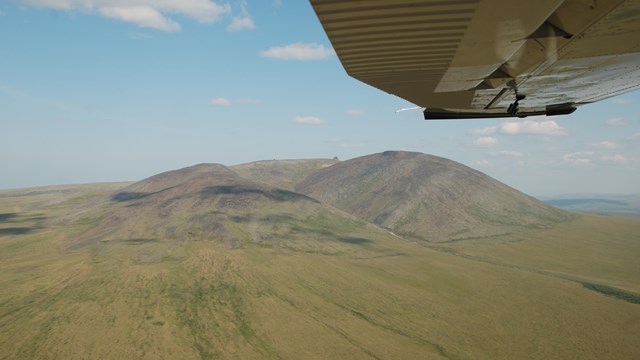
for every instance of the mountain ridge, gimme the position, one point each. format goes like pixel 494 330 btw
pixel 427 197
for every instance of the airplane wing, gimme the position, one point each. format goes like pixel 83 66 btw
pixel 488 58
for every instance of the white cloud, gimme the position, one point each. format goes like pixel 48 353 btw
pixel 509 153
pixel 616 122
pixel 614 158
pixel 143 16
pixel 55 4
pixel 485 131
pixel 355 112
pixel 605 145
pixel 620 101
pixel 483 162
pixel 532 127
pixel 221 101
pixel 241 23
pixel 308 120
pixel 635 137
pixel 579 158
pixel 298 51
pixel 485 141
pixel 144 13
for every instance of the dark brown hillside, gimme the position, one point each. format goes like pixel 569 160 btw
pixel 427 197
pixel 211 202
pixel 194 202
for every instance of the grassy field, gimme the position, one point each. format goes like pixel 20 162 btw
pixel 594 249
pixel 355 292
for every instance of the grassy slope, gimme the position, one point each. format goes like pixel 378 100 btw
pixel 313 296
pixel 427 197
pixel 598 249
pixel 284 174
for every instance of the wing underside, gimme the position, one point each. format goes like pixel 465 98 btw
pixel 488 58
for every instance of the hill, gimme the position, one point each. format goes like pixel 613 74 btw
pixel 282 173
pixel 427 197
pixel 212 203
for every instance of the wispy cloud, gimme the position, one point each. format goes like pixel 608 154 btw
pixel 616 122
pixel 509 153
pixel 485 131
pixel 532 127
pixel 605 145
pixel 143 13
pixel 355 112
pixel 579 158
pixel 617 158
pixel 620 101
pixel 143 16
pixel 298 51
pixel 242 22
pixel 635 137
pixel 223 101
pixel 485 141
pixel 308 120
pixel 482 162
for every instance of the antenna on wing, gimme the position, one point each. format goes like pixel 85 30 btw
pixel 411 108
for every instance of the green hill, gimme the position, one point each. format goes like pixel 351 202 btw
pixel 427 197
pixel 284 174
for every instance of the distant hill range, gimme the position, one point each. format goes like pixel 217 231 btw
pixel 597 203
pixel 418 196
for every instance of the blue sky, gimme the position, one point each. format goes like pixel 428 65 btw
pixel 116 90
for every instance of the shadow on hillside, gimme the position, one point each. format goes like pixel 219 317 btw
pixel 331 235
pixel 298 227
pixel 20 219
pixel 139 241
pixel 125 196
pixel 7 217
pixel 128 196
pixel 273 219
pixel 17 230
pixel 275 194
pixel 354 240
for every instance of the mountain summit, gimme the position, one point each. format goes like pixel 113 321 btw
pixel 427 197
